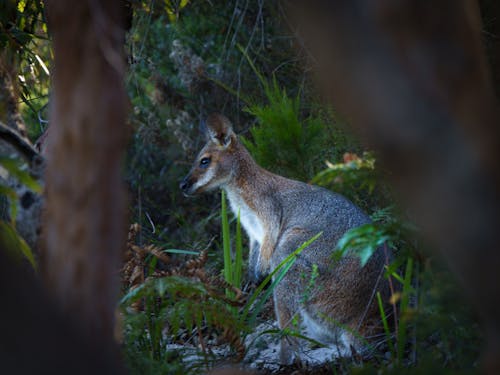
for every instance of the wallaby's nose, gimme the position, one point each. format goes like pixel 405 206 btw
pixel 184 185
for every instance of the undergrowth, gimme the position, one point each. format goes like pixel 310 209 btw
pixel 165 311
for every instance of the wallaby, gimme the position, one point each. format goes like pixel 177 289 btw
pixel 279 215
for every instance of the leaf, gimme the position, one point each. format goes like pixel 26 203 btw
pixel 362 241
pixel 161 286
pixel 21 36
pixel 11 241
pixel 21 5
pixel 173 8
pixel 7 191
pixel 12 195
pixel 133 294
pixel 18 169
pixel 181 251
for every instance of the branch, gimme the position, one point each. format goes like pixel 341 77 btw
pixel 23 146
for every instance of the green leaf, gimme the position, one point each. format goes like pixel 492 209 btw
pixel 181 251
pixel 11 241
pixel 133 294
pixel 12 195
pixel 362 241
pixel 161 286
pixel 385 324
pixel 7 191
pixel 18 169
pixel 21 5
pixel 21 36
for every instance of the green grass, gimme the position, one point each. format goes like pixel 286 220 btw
pixel 404 307
pixel 233 268
pixel 383 316
pixel 280 271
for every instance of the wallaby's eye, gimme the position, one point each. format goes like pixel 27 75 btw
pixel 204 162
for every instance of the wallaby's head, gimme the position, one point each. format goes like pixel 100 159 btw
pixel 214 165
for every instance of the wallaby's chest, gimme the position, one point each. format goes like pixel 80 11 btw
pixel 250 221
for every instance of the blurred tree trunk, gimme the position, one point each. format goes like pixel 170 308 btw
pixel 413 78
pixel 84 222
pixel 36 337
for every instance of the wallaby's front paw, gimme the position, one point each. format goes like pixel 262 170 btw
pixel 288 356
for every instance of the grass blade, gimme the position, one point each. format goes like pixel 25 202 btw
pixel 226 245
pixel 407 289
pixel 181 251
pixel 268 292
pixel 238 261
pixel 385 324
pixel 262 285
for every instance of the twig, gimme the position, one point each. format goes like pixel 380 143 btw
pixel 368 305
pixel 151 222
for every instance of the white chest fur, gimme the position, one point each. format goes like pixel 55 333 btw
pixel 248 218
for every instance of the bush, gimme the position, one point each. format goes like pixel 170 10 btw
pixel 283 142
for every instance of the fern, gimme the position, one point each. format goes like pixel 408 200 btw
pixel 282 141
pixel 181 303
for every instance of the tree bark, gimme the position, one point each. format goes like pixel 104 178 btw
pixel 84 222
pixel 412 77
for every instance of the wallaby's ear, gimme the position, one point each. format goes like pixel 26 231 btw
pixel 219 130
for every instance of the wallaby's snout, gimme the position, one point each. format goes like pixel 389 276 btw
pixel 186 185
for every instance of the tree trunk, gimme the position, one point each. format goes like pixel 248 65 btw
pixel 84 223
pixel 412 77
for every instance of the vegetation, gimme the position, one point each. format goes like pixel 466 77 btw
pixel 180 307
